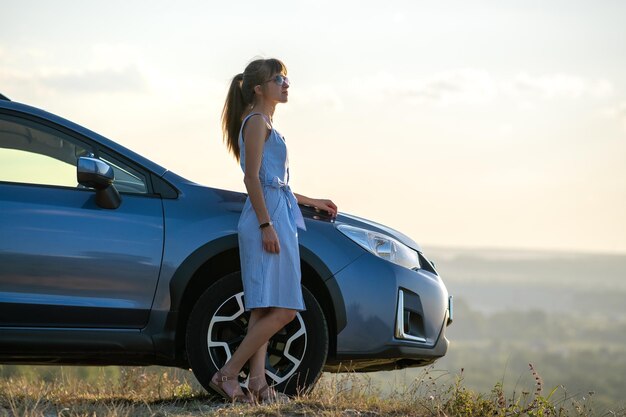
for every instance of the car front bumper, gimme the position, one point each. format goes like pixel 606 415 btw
pixel 396 317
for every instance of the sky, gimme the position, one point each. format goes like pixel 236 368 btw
pixel 483 124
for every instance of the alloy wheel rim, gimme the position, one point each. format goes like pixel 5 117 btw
pixel 227 328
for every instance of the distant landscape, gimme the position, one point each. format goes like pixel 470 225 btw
pixel 564 313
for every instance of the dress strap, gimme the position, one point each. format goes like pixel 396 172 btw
pixel 243 123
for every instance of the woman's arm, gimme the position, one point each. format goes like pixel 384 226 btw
pixel 320 203
pixel 255 132
pixel 302 199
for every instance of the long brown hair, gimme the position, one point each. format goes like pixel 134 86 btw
pixel 241 96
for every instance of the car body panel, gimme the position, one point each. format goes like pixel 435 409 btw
pixel 373 306
pixel 69 263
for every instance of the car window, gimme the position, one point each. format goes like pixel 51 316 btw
pixel 127 179
pixel 32 153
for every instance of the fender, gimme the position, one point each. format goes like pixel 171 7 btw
pixel 200 256
pixel 190 265
pixel 165 340
pixel 336 298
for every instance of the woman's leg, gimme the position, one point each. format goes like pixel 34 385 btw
pixel 264 328
pixel 257 361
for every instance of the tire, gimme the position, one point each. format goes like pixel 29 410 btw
pixel 218 324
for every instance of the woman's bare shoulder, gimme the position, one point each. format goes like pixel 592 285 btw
pixel 256 127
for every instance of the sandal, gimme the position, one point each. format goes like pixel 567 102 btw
pixel 218 386
pixel 267 394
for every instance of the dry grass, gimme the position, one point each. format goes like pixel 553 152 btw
pixel 172 392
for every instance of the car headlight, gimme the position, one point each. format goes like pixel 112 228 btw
pixel 382 245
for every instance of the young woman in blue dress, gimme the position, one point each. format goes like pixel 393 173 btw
pixel 268 225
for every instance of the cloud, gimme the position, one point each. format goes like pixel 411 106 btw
pixel 552 86
pixel 621 114
pixel 477 86
pixel 456 86
pixel 322 95
pixel 104 80
pixel 109 68
pixel 128 79
pixel 617 112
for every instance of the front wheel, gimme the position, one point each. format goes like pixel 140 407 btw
pixel 218 323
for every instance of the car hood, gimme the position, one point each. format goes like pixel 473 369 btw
pixel 234 201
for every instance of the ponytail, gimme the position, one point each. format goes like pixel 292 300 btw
pixel 231 115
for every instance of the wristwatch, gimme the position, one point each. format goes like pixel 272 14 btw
pixel 264 225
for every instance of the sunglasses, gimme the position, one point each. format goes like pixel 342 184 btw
pixel 279 80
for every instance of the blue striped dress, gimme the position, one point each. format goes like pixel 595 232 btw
pixel 271 279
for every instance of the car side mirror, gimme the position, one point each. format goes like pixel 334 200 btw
pixel 94 173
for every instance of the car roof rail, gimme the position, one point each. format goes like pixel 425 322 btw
pixel 3 97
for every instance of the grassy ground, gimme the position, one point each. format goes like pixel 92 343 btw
pixel 171 392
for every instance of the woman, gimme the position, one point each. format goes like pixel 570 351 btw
pixel 268 238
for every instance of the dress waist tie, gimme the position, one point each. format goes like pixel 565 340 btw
pixel 292 202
